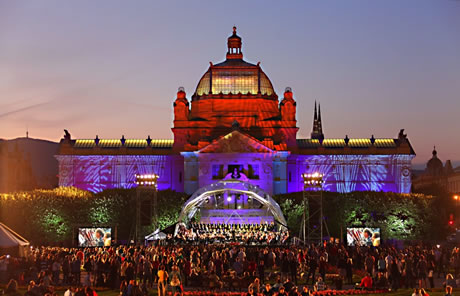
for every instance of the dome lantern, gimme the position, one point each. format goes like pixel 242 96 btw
pixel 234 76
pixel 288 93
pixel 234 46
pixel 181 93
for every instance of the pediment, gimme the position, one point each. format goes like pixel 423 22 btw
pixel 236 142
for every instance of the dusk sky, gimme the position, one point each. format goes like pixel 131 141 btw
pixel 112 68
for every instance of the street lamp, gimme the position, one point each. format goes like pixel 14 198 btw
pixel 457 198
pixel 312 182
pixel 145 182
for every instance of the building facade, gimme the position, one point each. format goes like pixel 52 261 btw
pixel 234 125
pixel 438 174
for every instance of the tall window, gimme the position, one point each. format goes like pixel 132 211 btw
pixel 217 171
pixel 253 171
pixel 234 82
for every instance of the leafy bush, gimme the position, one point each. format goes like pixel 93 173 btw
pixel 51 216
pixel 400 216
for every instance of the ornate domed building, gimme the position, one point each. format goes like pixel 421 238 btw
pixel 234 126
pixel 438 174
pixel 434 166
pixel 234 93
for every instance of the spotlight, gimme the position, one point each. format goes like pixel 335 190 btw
pixel 147 180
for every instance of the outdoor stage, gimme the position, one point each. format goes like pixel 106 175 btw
pixel 232 202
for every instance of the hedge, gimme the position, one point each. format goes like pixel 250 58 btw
pixel 400 216
pixel 50 216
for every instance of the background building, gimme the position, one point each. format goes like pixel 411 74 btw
pixel 234 126
pixel 27 163
pixel 438 174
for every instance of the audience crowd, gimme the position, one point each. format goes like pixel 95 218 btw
pixel 256 270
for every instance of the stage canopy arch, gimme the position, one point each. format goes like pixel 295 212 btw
pixel 202 195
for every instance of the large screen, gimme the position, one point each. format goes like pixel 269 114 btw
pixel 363 236
pixel 94 237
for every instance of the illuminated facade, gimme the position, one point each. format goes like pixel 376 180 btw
pixel 235 125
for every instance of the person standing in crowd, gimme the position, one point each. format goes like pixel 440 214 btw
pixel 349 270
pixel 322 267
pixel 256 286
pixel 448 291
pixel 162 281
pixel 12 289
pixel 89 270
pixel 293 267
pixel 56 269
pixel 306 291
pixel 422 267
pixel 176 282
pixel 66 270
pixel 294 291
pixel 282 292
pixel 251 292
pixel 312 265
pixel 450 281
pixel 431 268
pixel 261 269
pixel 409 272
pixel 395 275
pixel 70 292
pixel 267 291
pixel 124 288
pixel 369 262
pixel 75 270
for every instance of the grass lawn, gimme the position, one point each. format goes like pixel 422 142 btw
pixel 153 292
pixel 402 292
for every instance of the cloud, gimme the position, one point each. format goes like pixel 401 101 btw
pixel 19 110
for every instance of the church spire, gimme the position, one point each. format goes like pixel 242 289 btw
pixel 320 124
pixel 315 118
pixel 317 132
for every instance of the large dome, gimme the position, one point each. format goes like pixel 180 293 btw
pixel 434 166
pixel 234 75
